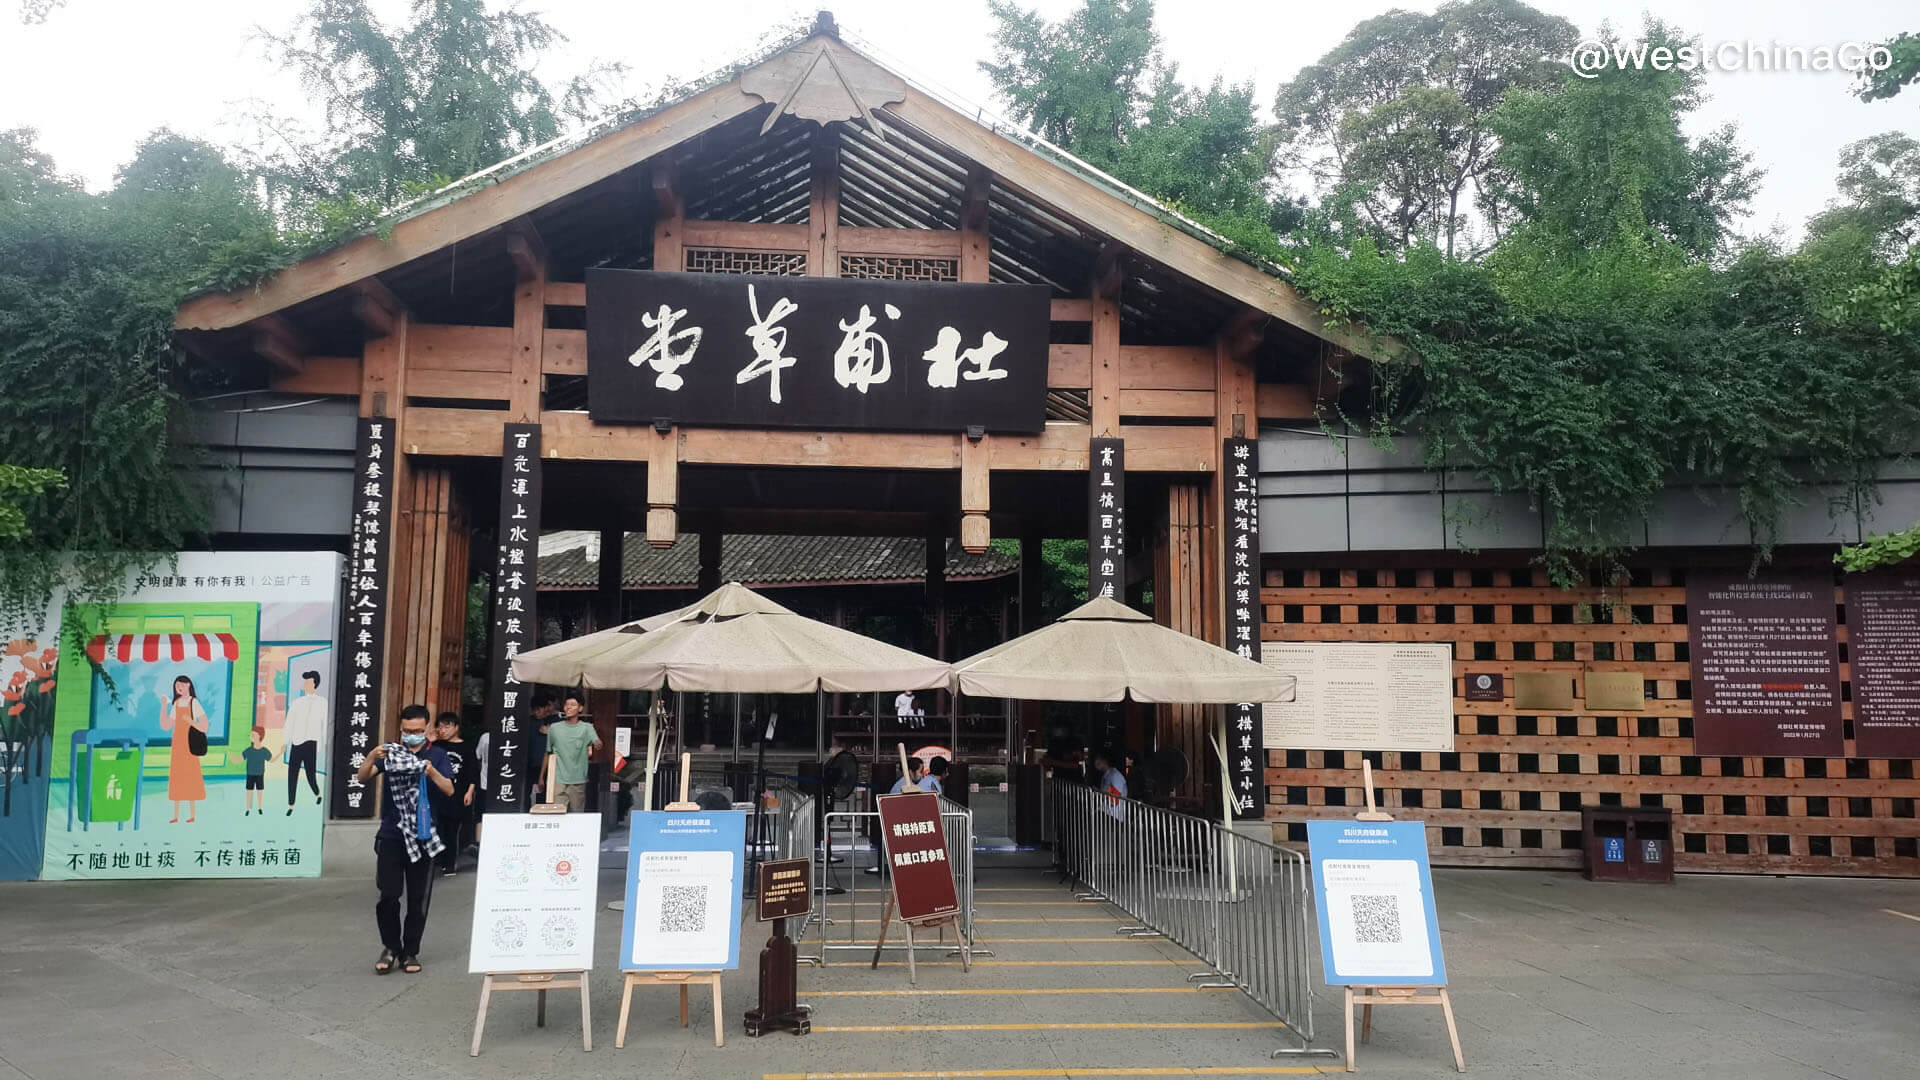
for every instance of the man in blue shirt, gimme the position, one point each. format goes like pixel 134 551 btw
pixel 406 844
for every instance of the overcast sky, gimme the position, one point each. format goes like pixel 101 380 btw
pixel 98 74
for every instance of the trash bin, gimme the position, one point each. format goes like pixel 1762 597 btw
pixel 1628 843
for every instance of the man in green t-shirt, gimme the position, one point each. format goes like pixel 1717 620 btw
pixel 570 741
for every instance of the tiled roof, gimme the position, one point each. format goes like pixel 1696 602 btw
pixel 765 560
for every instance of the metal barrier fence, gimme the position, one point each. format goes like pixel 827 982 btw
pixel 843 888
pixel 1239 904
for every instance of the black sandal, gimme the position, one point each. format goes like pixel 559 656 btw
pixel 384 965
pixel 410 965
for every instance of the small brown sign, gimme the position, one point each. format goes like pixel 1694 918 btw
pixel 1486 686
pixel 915 845
pixel 1622 691
pixel 786 889
pixel 1550 690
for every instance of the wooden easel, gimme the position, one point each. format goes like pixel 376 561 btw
pixel 537 981
pixel 886 917
pixel 1369 996
pixel 682 979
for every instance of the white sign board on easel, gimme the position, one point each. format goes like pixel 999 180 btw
pixel 535 894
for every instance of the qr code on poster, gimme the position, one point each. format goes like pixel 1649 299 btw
pixel 683 908
pixel 1376 918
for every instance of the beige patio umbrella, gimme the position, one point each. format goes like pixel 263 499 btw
pixel 733 640
pixel 1106 651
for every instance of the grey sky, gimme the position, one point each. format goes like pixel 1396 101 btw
pixel 98 74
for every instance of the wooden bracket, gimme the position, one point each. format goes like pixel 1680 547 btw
pixel 528 251
pixel 376 307
pixel 277 341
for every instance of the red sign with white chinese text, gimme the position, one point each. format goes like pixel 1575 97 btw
pixel 1766 669
pixel 915 847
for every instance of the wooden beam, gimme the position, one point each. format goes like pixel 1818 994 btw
pixel 443 347
pixel 743 235
pixel 334 376
pixel 574 436
pixel 525 381
pixel 1072 197
pixel 669 245
pixel 376 307
pixel 528 251
pixel 566 294
pixel 909 243
pixel 1285 401
pixel 275 340
pixel 1072 311
pixel 663 487
pixel 823 206
pixel 976 248
pixel 487 207
pixel 564 352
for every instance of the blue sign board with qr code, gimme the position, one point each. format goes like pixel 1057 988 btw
pixel 1373 894
pixel 683 891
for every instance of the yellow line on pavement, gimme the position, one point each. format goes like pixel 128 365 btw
pixel 1062 990
pixel 1060 1074
pixel 1902 914
pixel 1248 1025
pixel 1012 963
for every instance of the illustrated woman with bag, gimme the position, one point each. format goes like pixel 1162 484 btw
pixel 181 714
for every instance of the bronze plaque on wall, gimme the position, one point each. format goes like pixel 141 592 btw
pixel 1546 690
pixel 1617 691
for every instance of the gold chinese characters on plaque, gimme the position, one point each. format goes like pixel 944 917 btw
pixel 1546 690
pixel 1616 691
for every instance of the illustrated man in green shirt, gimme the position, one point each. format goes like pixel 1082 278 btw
pixel 570 741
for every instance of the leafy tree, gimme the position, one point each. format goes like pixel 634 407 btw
pixel 1879 187
pixel 1095 85
pixel 1395 119
pixel 1603 160
pixel 88 287
pixel 1902 73
pixel 407 108
pixel 18 484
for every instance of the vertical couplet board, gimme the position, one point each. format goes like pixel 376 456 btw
pixel 1766 674
pixel 1373 895
pixel 1883 644
pixel 364 629
pixel 916 848
pixel 536 894
pixel 515 629
pixel 683 891
pixel 1107 519
pixel 1246 752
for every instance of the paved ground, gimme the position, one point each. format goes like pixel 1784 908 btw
pixel 1553 976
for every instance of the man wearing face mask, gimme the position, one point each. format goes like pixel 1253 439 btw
pixel 406 844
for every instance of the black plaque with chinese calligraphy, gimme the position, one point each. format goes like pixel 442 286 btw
pixel 1766 674
pixel 514 629
pixel 1883 644
pixel 364 625
pixel 757 351
pixel 1239 460
pixel 1107 519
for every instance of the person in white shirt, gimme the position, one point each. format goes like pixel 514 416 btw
pixel 306 726
pixel 904 707
pixel 1113 784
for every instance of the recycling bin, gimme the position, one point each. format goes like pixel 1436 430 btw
pixel 1626 843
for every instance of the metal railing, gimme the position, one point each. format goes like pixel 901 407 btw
pixel 848 895
pixel 1239 904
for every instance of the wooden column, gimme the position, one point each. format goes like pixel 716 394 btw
pixel 1032 578
pixel 529 322
pixel 976 534
pixel 663 488
pixel 430 626
pixel 823 205
pixel 669 246
pixel 709 559
pixel 1236 416
pixel 1180 602
pixel 1103 396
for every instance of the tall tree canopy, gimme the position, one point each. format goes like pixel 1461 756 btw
pixel 1395 121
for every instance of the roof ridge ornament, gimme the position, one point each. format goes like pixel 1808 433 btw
pixel 847 86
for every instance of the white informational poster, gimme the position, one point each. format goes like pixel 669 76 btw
pixel 535 894
pixel 676 920
pixel 1361 696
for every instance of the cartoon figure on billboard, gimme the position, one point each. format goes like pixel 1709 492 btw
pixel 182 715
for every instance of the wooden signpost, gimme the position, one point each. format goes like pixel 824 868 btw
pixel 569 871
pixel 681 979
pixel 914 843
pixel 1367 996
pixel 785 892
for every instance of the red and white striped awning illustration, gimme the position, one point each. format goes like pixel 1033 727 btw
pixel 154 648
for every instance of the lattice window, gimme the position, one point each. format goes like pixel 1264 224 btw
pixel 1510 793
pixel 726 261
pixel 899 268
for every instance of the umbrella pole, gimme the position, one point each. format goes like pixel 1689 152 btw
pixel 734 756
pixel 820 726
pixel 1226 802
pixel 653 750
